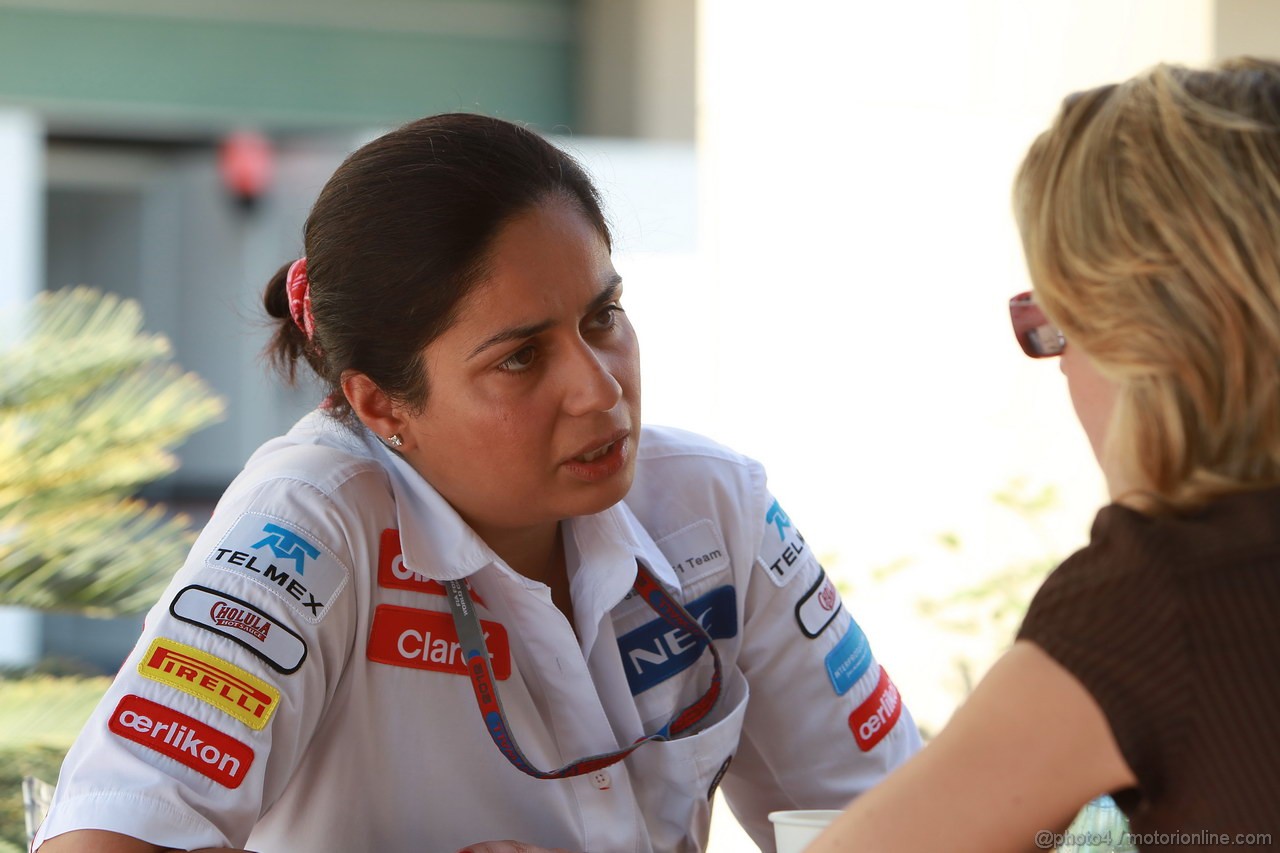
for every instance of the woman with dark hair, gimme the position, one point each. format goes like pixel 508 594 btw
pixel 470 597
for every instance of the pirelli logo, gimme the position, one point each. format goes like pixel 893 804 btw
pixel 223 685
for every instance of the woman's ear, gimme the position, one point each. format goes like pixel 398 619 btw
pixel 372 406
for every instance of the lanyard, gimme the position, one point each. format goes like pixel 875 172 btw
pixel 471 640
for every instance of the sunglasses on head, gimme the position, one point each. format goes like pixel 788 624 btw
pixel 1038 337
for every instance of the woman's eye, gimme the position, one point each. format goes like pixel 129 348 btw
pixel 519 361
pixel 607 316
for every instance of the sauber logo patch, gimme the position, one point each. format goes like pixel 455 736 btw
pixel 780 559
pixel 213 680
pixel 288 561
pixel 240 621
pixel 185 739
pixel 656 651
pixel 819 607
pixel 393 574
pixel 875 717
pixel 427 639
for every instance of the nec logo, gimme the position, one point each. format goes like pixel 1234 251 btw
pixel 657 651
pixel 288 545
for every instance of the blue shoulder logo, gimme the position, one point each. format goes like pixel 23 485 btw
pixel 778 517
pixel 657 651
pixel 288 545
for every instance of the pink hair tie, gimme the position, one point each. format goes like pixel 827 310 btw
pixel 299 289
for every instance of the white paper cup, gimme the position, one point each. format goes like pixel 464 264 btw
pixel 795 830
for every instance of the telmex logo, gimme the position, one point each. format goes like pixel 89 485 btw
pixel 427 639
pixel 779 519
pixel 874 718
pixel 288 545
pixel 223 685
pixel 277 561
pixel 185 739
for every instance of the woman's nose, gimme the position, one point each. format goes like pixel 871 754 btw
pixel 591 385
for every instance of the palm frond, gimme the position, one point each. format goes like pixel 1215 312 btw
pixel 90 410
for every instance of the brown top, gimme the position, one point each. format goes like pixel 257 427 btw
pixel 1173 625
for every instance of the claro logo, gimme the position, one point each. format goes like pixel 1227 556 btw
pixel 392 573
pixel 874 718
pixel 427 639
pixel 186 740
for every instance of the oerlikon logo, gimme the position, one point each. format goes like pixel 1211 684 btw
pixel 875 717
pixel 185 739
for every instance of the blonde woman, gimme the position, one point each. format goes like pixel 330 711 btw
pixel 1148 666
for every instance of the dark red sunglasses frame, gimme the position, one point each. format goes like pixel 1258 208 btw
pixel 1036 335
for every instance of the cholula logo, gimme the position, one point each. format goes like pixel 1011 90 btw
pixel 238 617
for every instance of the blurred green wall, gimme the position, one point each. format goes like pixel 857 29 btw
pixel 81 64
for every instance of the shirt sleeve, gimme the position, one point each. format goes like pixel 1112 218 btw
pixel 211 713
pixel 1111 618
pixel 825 721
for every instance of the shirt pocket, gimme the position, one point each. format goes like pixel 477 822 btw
pixel 675 780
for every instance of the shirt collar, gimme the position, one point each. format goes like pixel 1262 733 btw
pixel 437 543
pixel 602 550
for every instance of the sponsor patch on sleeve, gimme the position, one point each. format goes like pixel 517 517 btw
pixel 695 552
pixel 657 651
pixel 783 550
pixel 875 718
pixel 427 639
pixel 212 680
pixel 186 740
pixel 819 607
pixel 240 621
pixel 285 559
pixel 849 660
pixel 394 574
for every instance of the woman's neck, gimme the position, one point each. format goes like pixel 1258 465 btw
pixel 538 554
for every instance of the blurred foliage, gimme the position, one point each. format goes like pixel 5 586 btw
pixel 91 408
pixel 39 717
pixel 995 607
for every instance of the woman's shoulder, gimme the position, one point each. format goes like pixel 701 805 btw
pixel 682 477
pixel 664 443
pixel 323 455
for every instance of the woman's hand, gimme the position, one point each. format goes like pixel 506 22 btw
pixel 508 847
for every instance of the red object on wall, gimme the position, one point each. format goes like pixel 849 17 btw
pixel 246 162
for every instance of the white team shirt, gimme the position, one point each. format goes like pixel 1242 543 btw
pixel 299 685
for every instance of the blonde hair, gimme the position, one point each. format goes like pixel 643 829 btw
pixel 1150 219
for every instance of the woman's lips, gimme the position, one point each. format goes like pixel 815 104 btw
pixel 602 461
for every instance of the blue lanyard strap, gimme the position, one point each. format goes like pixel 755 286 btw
pixel 476 654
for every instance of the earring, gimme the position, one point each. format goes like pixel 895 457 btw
pixel 394 440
